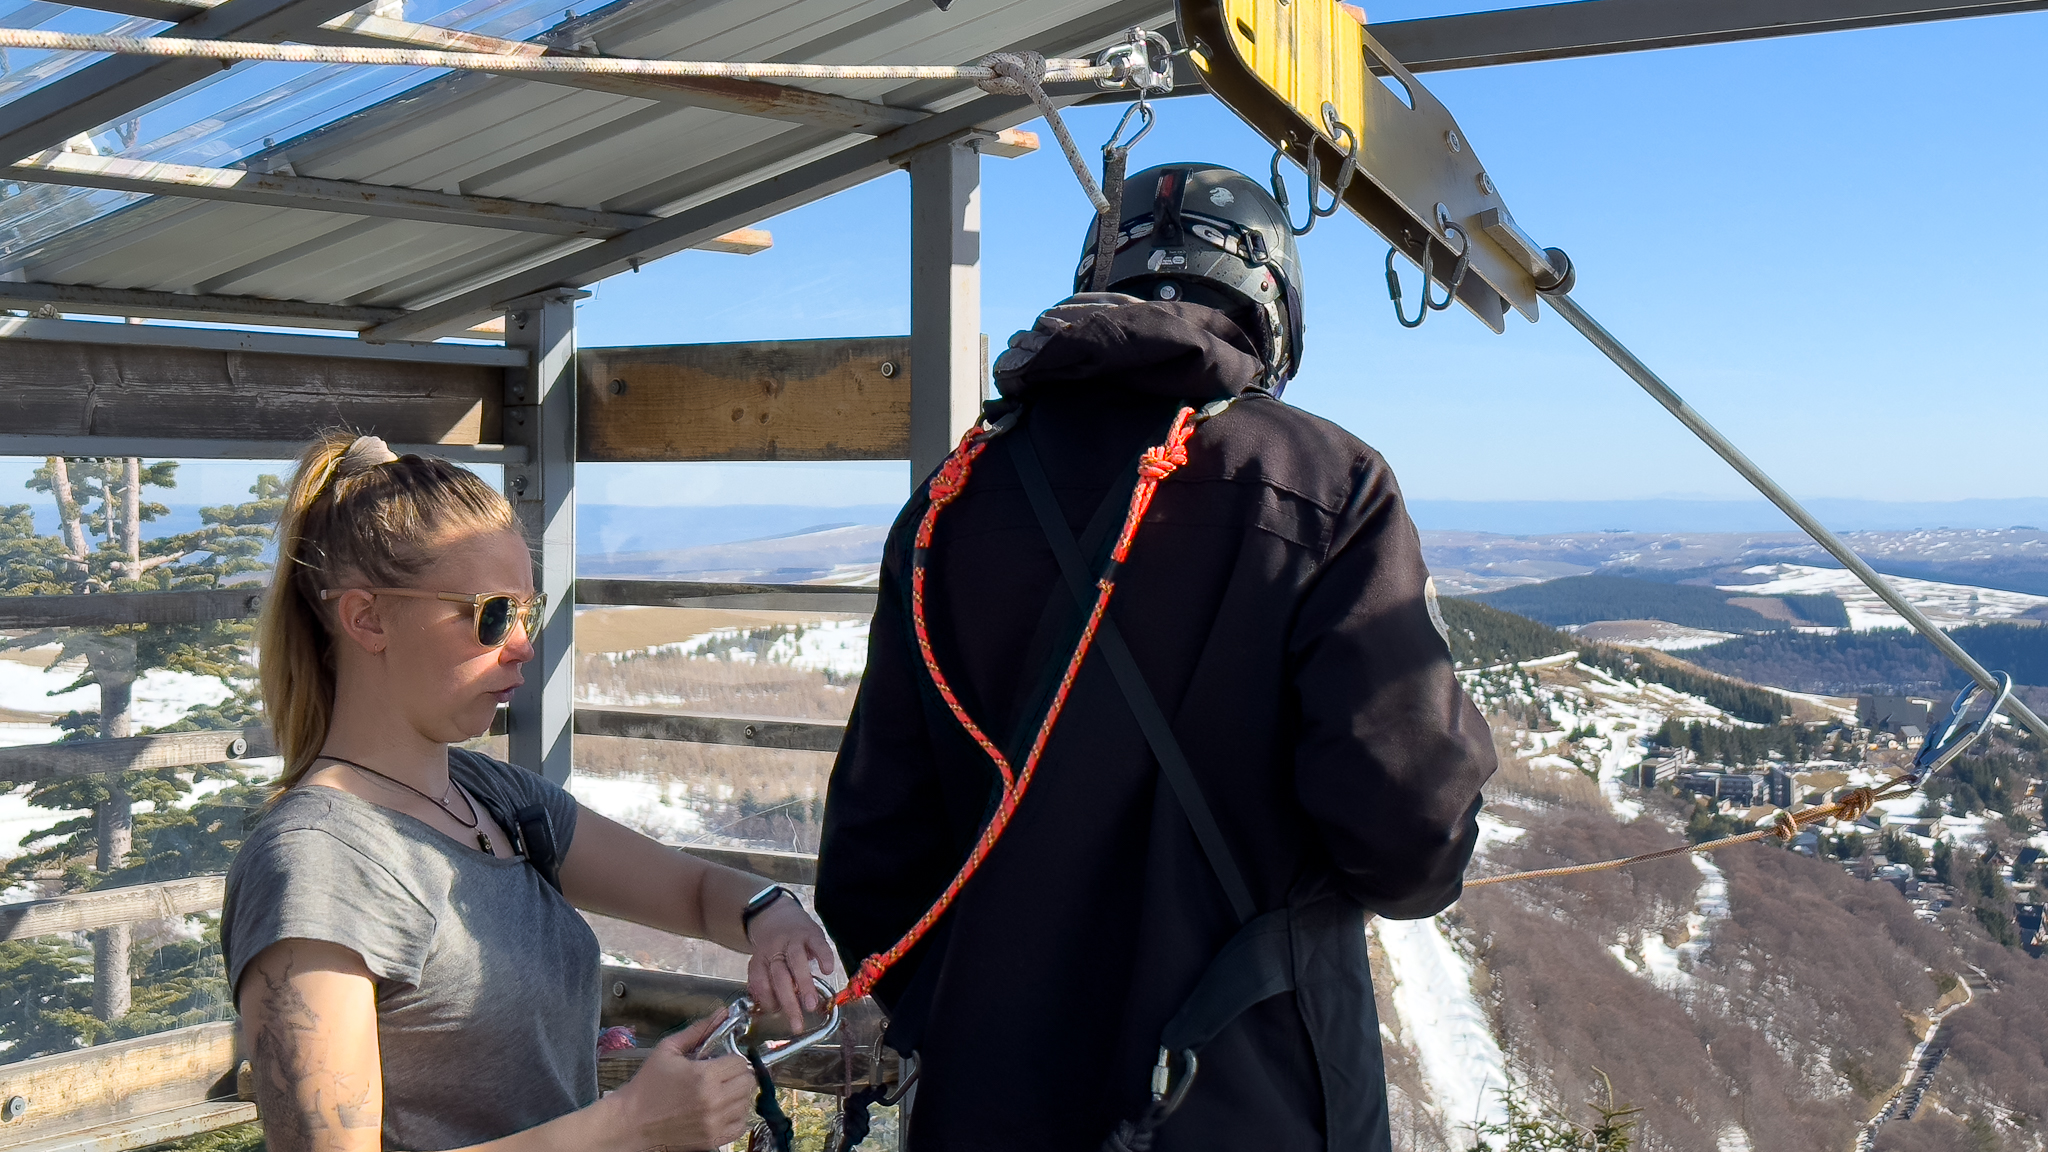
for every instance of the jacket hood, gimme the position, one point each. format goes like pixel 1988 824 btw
pixel 1173 349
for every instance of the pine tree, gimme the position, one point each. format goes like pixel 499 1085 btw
pixel 100 548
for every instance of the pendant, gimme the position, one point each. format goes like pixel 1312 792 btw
pixel 484 842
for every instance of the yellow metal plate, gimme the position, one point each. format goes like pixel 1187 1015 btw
pixel 1277 63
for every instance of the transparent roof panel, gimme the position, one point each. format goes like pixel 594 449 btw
pixel 220 121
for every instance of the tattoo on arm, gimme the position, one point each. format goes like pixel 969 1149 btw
pixel 298 1091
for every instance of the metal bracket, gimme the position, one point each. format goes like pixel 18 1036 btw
pixel 1277 63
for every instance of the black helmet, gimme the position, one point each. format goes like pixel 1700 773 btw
pixel 1209 235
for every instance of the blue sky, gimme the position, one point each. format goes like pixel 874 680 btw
pixel 1826 243
pixel 1823 242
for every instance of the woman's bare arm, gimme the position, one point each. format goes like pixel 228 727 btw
pixel 615 871
pixel 309 1023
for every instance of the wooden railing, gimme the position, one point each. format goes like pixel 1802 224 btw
pixel 144 1091
pixel 151 1089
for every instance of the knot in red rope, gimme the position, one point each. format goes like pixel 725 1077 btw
pixel 1159 463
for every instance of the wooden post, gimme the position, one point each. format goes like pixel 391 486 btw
pixel 540 414
pixel 946 384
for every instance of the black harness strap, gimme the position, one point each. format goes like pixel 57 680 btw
pixel 1144 706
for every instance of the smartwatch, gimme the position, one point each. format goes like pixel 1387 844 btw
pixel 760 903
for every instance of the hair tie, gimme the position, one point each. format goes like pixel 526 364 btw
pixel 365 453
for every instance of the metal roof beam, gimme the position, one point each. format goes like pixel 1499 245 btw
pixel 110 89
pixel 273 190
pixel 746 97
pixel 814 181
pixel 187 306
pixel 1603 27
pixel 238 340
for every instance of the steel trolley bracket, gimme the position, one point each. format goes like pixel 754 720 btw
pixel 1299 71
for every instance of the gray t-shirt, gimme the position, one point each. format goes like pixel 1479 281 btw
pixel 487 979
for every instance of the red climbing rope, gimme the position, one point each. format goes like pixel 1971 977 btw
pixel 1156 465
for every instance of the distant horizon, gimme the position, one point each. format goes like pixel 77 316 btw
pixel 620 527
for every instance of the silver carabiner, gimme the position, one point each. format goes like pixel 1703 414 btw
pixel 1939 750
pixel 738 1032
pixel 1313 166
pixel 1142 107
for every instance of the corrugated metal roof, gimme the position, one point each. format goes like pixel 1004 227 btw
pixel 484 135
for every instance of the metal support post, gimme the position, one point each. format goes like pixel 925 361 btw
pixel 540 415
pixel 946 376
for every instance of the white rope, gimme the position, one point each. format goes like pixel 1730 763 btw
pixel 1024 73
pixel 237 50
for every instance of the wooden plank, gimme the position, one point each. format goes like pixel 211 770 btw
pixel 774 400
pixel 86 911
pixel 145 1131
pixel 80 389
pixel 781 867
pixel 165 448
pixel 71 1092
pixel 191 606
pixel 698 594
pixel 34 762
pixel 705 728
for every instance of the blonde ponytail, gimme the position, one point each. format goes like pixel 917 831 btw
pixel 355 512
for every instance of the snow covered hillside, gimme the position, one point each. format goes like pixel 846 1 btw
pixel 1949 605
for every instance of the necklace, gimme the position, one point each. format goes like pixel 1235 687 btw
pixel 483 839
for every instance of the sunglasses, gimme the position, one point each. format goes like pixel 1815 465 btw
pixel 493 613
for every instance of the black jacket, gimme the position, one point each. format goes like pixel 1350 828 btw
pixel 1275 601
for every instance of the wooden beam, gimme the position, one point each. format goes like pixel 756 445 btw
pixel 705 728
pixel 150 1130
pixel 192 306
pixel 1011 143
pixel 237 186
pixel 740 242
pixel 696 594
pixel 193 606
pixel 775 400
pixel 25 764
pixel 85 911
pixel 60 388
pixel 781 867
pixel 177 448
pixel 73 1093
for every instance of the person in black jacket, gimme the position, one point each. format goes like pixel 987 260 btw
pixel 1275 604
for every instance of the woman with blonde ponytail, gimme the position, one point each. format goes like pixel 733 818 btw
pixel 401 925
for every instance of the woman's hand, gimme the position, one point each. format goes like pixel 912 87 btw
pixel 680 1103
pixel 786 941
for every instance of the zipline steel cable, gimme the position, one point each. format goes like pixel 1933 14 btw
pixel 1641 373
